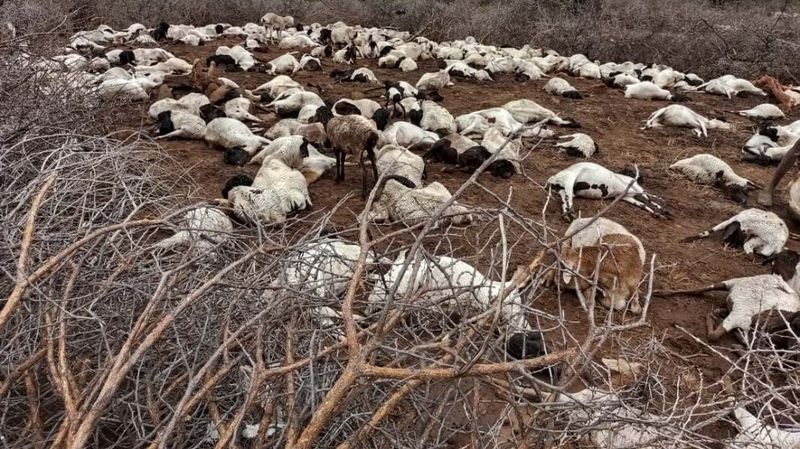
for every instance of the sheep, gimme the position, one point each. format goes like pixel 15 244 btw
pixel 171 66
pixel 590 180
pixel 239 142
pixel 408 65
pixel 579 145
pixel 289 149
pixel 559 86
pixel 478 122
pixel 646 90
pixel 150 56
pixel 273 22
pixel 205 228
pixel 620 80
pixel 289 185
pixel 315 165
pixel 782 135
pixel 459 284
pixel 437 119
pixel 756 231
pixel 394 160
pixel 291 104
pixel 681 116
pixel 296 41
pixel 244 58
pixel 406 134
pixel 617 257
pixel 310 63
pixel 765 111
pixel 755 434
pixel 346 55
pixel 587 231
pixel 276 86
pixel 353 134
pixel 729 85
pixel 762 151
pixel 239 109
pixel 433 81
pixel 313 132
pixel 284 64
pixel 125 90
pixel 190 104
pixel 708 169
pixel 458 150
pixel 399 199
pixel 364 107
pixel 526 111
pixel 259 206
pixel 794 200
pixel 786 264
pixel 506 163
pixel 361 75
pixel 314 114
pixel 177 124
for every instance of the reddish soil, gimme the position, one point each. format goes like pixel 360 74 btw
pixel 614 123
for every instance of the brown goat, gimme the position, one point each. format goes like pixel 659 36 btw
pixel 620 270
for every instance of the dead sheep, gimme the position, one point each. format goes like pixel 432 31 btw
pixel 507 161
pixel 646 90
pixel 763 112
pixel 135 89
pixel 754 433
pixel 204 228
pixel 578 145
pixel 617 260
pixel 526 111
pixel 284 64
pixel 434 81
pixel 289 185
pixel 291 150
pixel 407 134
pixel 398 199
pixel 255 205
pixel 755 230
pixel 296 41
pixel 710 170
pixel 394 160
pixel 310 63
pixel 455 284
pixel 288 104
pixel 560 86
pixel 190 103
pixel 683 117
pixel 239 142
pixel 239 109
pixel 346 55
pixel 356 135
pixel 177 124
pixel 437 119
pixel 458 150
pixel 729 86
pixel 313 132
pixel 590 180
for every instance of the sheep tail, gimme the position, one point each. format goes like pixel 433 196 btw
pixel 691 291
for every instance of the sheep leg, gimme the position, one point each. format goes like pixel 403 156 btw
pixel 339 165
pixel 646 206
pixel 714 332
pixel 176 133
pixel 363 177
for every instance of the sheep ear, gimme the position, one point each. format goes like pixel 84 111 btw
pixel 566 277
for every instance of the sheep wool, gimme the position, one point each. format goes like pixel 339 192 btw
pixel 393 160
pixel 410 205
pixel 205 228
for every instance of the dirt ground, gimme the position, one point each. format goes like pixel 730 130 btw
pixel 614 123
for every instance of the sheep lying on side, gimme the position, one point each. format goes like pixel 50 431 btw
pixel 406 134
pixel 205 228
pixel 708 169
pixel 755 230
pixel 681 116
pixel 290 149
pixel 315 165
pixel 748 297
pixel 590 180
pixel 453 284
pixel 434 81
pixel 649 91
pixel 437 119
pixel 135 89
pixel 284 64
pixel 313 132
pixel 753 433
pixel 259 206
pixel 560 86
pixel 176 124
pixel 526 111
pixel 289 185
pixel 621 260
pixel 506 163
pixel 399 199
pixel 765 111
pixel 276 86
pixel 190 103
pixel 393 160
pixel 290 103
pixel 239 109
pixel 239 142
pixel 730 85
pixel 458 150
pixel 579 145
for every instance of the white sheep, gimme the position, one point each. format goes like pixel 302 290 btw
pixel 408 65
pixel 289 185
pixel 275 23
pixel 764 111
pixel 177 124
pixel 399 199
pixel 260 206
pixel 478 122
pixel 204 228
pixel 310 63
pixel 527 111
pixel 434 81
pixel 240 143
pixel 730 85
pixel 590 180
pixel 284 64
pixel 291 150
pixel 560 86
pixel 277 86
pixel 172 66
pixel 294 102
pixel 507 161
pixel 708 169
pixel 437 119
pixel 296 41
pixel 125 90
pixel 452 284
pixel 646 90
pixel 315 165
pixel 239 109
pixel 586 234
pixel 681 116
pixel 755 230
pixel 578 145
pixel 394 160
pixel 406 134
pixel 755 433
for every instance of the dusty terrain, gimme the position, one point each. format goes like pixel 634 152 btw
pixel 614 123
